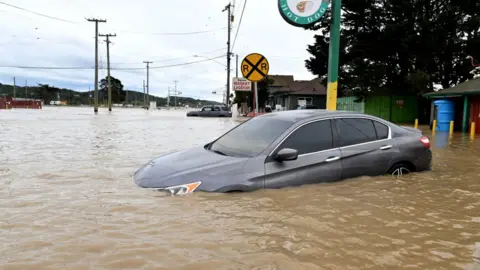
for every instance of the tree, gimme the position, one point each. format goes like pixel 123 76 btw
pixel 400 46
pixel 118 94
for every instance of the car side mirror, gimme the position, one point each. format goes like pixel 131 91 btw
pixel 286 154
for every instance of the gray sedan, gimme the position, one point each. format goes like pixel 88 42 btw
pixel 291 148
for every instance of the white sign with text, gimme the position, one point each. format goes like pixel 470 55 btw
pixel 241 84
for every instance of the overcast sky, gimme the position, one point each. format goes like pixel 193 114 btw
pixel 144 32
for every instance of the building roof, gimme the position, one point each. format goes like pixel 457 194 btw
pixel 280 80
pixel 313 87
pixel 470 87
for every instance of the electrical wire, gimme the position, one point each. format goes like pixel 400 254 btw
pixel 102 68
pixel 120 30
pixel 239 24
pixel 172 34
pixel 36 13
pixel 169 59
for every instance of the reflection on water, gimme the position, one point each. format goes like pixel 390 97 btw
pixel 68 201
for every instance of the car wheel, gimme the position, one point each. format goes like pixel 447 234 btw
pixel 400 170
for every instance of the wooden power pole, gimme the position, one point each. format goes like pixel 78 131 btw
pixel 148 83
pixel 108 70
pixel 95 95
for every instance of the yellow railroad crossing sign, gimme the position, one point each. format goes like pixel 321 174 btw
pixel 255 67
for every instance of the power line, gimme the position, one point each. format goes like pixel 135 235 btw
pixel 170 59
pixel 239 24
pixel 89 68
pixel 36 13
pixel 122 31
pixel 173 33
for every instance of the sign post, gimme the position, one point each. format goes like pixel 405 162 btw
pixel 304 13
pixel 255 68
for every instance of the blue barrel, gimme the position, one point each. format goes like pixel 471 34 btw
pixel 445 114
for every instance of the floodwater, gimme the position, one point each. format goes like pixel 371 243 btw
pixel 68 201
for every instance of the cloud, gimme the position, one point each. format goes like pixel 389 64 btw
pixel 145 32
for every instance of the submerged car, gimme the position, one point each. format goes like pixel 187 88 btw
pixel 291 148
pixel 212 111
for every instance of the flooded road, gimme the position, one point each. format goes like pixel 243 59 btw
pixel 68 201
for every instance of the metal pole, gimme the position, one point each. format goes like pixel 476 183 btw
pixel 256 96
pixel 334 51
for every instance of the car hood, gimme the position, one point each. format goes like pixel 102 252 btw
pixel 187 166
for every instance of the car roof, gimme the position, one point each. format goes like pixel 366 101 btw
pixel 300 115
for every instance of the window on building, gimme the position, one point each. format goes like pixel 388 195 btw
pixel 305 101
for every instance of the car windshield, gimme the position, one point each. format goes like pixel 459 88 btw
pixel 250 138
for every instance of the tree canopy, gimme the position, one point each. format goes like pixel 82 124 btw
pixel 400 46
pixel 118 95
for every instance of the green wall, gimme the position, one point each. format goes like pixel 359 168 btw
pixel 397 109
pixel 349 104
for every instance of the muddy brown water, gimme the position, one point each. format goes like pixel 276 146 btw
pixel 67 201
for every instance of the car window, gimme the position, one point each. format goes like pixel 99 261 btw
pixel 251 137
pixel 206 109
pixel 217 109
pixel 310 138
pixel 382 130
pixel 355 131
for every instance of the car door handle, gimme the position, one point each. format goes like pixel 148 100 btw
pixel 385 147
pixel 330 159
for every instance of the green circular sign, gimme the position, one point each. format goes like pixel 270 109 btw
pixel 302 13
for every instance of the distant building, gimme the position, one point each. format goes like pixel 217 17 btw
pixel 290 94
pixel 27 103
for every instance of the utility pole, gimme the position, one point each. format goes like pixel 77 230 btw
pixel 236 67
pixel 26 106
pixel 148 82
pixel 144 97
pixel 230 19
pixel 95 108
pixel 108 70
pixel 14 90
pixel 175 94
pixel 168 98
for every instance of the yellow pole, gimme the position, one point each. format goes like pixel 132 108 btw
pixel 434 127
pixel 451 128
pixel 416 123
pixel 472 131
